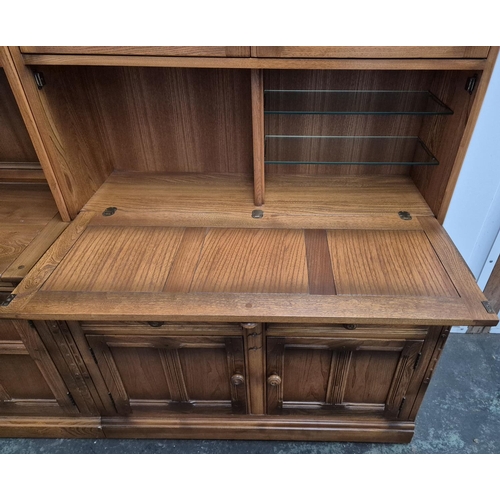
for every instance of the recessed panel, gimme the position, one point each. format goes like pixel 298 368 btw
pixel 398 263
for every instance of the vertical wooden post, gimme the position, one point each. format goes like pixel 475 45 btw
pixel 258 135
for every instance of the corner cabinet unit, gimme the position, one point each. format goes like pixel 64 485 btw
pixel 252 244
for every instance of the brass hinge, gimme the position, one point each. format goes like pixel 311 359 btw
pixel 93 355
pixel 71 398
pixel 470 85
pixel 39 79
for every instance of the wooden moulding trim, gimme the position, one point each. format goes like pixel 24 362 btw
pixel 46 265
pixel 259 427
pixel 255 63
pixel 467 135
pixel 243 307
pixel 458 271
pixel 46 427
pixel 22 265
pixel 12 59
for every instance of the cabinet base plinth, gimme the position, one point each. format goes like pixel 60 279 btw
pixel 51 427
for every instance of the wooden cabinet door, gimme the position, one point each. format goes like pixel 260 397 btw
pixel 373 52
pixel 30 383
pixel 186 51
pixel 147 374
pixel 320 375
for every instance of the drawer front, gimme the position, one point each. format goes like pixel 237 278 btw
pixel 154 370
pixel 374 52
pixel 188 51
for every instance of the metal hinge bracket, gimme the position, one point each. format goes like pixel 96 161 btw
pixel 93 355
pixel 39 79
pixel 71 398
pixel 401 406
pixel 470 85
pixel 417 361
pixel 8 300
pixel 488 307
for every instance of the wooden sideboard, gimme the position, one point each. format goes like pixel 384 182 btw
pixel 249 240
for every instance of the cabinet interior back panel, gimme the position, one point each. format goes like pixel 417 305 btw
pixel 153 119
pixel 15 143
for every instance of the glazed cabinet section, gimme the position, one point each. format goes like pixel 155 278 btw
pixel 30 382
pixel 153 368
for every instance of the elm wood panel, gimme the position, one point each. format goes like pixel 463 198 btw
pixel 385 332
pixel 319 268
pixel 15 143
pixel 49 261
pixel 492 289
pixel 251 63
pixel 252 261
pixel 13 241
pixel 51 427
pixel 26 172
pixel 118 259
pixel 259 427
pixel 20 267
pixel 183 268
pixel 375 52
pixel 188 374
pixel 150 119
pixel 8 331
pixel 291 196
pixel 339 374
pixel 243 307
pixel 26 204
pixel 70 142
pixel 257 80
pixel 458 271
pixel 165 329
pixel 398 263
pixel 215 51
pixel 20 77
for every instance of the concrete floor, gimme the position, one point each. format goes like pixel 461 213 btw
pixel 460 414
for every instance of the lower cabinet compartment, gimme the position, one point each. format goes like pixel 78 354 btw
pixel 219 381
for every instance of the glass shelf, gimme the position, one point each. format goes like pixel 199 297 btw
pixel 347 150
pixel 348 102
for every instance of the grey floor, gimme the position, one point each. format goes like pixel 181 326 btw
pixel 460 414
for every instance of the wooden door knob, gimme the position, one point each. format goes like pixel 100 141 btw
pixel 237 379
pixel 274 379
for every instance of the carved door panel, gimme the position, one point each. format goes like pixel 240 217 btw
pixel 148 374
pixel 30 383
pixel 320 375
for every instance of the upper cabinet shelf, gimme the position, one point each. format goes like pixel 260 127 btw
pixel 346 102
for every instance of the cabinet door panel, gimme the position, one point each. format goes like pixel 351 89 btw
pixel 187 51
pixel 30 384
pixel 312 374
pixel 153 374
pixel 374 52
